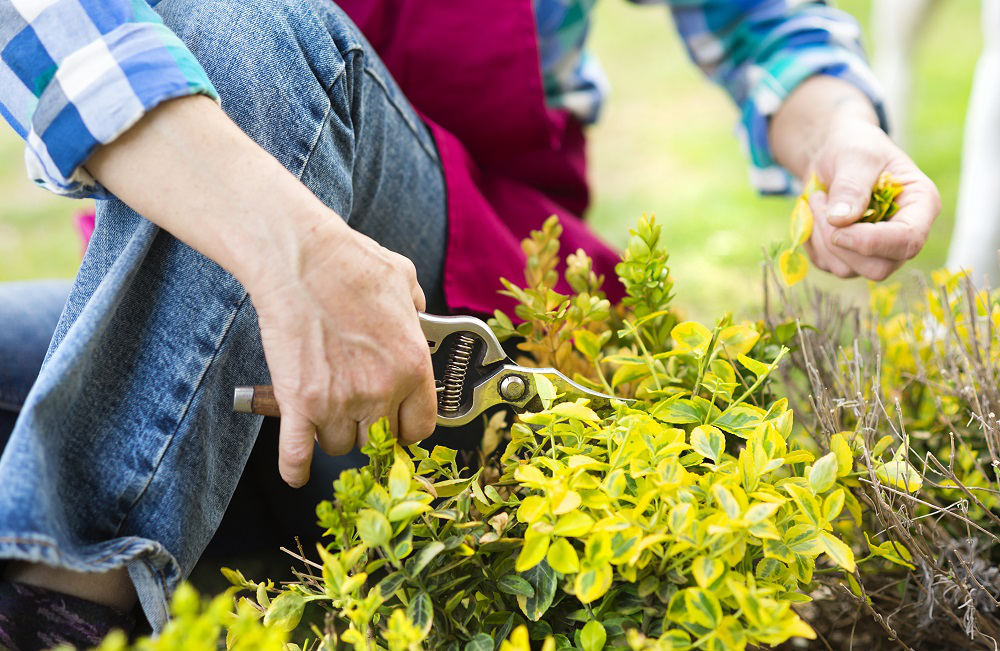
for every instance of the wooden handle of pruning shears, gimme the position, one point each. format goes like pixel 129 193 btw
pixel 256 400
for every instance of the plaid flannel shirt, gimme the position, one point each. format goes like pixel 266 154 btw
pixel 758 50
pixel 75 74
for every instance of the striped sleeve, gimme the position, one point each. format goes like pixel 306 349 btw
pixel 760 50
pixel 76 74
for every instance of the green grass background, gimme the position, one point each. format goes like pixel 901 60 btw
pixel 665 145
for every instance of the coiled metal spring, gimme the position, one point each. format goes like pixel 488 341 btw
pixel 453 383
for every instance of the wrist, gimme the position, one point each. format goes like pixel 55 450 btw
pixel 811 115
pixel 283 251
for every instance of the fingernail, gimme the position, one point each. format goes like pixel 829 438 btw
pixel 839 209
pixel 841 239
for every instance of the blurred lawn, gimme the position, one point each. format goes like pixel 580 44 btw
pixel 665 145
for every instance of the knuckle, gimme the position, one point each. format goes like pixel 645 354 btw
pixel 313 399
pixel 913 246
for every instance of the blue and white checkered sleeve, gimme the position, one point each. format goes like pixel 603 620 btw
pixel 760 51
pixel 76 74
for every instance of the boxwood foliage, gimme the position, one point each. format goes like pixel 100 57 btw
pixel 686 520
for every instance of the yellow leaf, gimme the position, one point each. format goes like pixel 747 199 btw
pixel 842 450
pixel 838 551
pixel 532 553
pixel 813 185
pixel 575 411
pixel 532 508
pixel 563 558
pixel 564 502
pixel 738 340
pixel 573 525
pixel 900 474
pixel 793 266
pixel 802 222
pixel 706 570
pixel 691 335
pixel 593 583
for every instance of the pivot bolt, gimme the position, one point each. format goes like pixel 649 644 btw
pixel 512 387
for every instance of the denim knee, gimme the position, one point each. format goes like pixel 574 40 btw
pixel 282 70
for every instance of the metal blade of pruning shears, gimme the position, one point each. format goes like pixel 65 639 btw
pixel 472 373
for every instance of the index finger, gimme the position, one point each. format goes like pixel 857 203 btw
pixel 295 449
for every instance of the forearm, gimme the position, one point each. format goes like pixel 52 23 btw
pixel 803 123
pixel 190 170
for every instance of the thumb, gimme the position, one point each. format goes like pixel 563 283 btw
pixel 295 449
pixel 854 176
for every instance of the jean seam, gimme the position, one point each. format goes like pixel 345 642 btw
pixel 428 149
pixel 187 406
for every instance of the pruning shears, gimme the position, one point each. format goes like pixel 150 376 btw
pixel 472 373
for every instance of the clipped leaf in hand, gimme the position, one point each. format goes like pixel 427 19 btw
pixel 802 222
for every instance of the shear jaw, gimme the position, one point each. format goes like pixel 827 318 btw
pixel 516 386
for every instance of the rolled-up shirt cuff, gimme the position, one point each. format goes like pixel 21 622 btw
pixel 97 93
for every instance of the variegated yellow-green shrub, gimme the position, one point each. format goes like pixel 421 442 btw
pixel 199 624
pixel 912 385
pixel 687 520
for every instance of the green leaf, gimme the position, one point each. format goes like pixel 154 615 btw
pixel 677 412
pixel 708 441
pixel 543 579
pixel 833 505
pixel 285 611
pixel 374 528
pixel 759 369
pixel 420 612
pixel 806 502
pixel 388 586
pixel 426 555
pixel 593 636
pixel 588 343
pixel 629 373
pixel 703 607
pixel 408 510
pixel 451 487
pixel 480 642
pixel 823 473
pixel 512 584
pixel 573 524
pixel 546 391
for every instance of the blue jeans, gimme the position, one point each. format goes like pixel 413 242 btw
pixel 126 451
